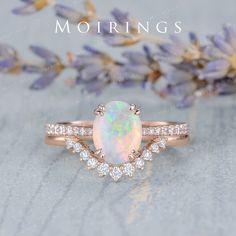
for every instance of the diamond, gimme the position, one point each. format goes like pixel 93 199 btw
pixel 92 163
pixel 84 155
pixel 129 169
pixel 162 143
pixel 155 148
pixel 157 130
pixel 151 131
pixel 148 131
pixel 61 130
pixel 69 130
pixel 89 131
pixel 69 143
pixel 50 129
pixel 116 173
pixel 147 155
pixel 56 129
pixel 176 132
pixel 145 132
pixel 164 130
pixel 139 163
pixel 82 131
pixel 77 147
pixel 183 129
pixel 103 169
pixel 75 130
pixel 171 130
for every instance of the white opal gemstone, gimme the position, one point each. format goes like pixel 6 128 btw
pixel 117 132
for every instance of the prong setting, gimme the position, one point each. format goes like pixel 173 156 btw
pixel 100 110
pixel 134 109
pixel 134 154
pixel 99 153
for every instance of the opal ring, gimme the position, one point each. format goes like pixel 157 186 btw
pixel 122 142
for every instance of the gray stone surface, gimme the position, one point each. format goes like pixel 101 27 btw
pixel 45 191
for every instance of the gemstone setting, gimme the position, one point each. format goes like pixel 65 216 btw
pixel 118 131
pixel 119 154
pixel 116 173
pixel 103 169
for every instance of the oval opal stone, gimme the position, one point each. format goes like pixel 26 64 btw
pixel 117 132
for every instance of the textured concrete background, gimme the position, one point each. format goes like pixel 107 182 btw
pixel 45 191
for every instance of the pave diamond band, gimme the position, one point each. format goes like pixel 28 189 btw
pixel 76 128
pixel 85 129
pixel 176 133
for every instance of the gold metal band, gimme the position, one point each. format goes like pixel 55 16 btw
pixel 176 133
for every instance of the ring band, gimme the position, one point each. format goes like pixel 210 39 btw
pixel 176 133
pixel 123 143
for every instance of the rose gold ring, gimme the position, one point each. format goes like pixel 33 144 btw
pixel 122 142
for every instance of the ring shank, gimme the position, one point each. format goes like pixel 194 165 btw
pixel 175 133
pixel 171 141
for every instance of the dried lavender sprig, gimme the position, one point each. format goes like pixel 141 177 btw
pixel 196 70
pixel 32 6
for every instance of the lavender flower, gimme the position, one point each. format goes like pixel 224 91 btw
pixel 224 86
pixel 122 37
pixel 95 69
pixel 180 53
pixel 74 16
pixel 49 69
pixel 9 61
pixel 142 68
pixel 194 69
pixel 223 56
pixel 31 6
pixel 215 69
pixel 184 87
pixel 183 82
pixel 70 14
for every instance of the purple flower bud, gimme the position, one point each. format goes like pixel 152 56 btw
pixel 44 81
pixel 68 13
pixel 45 54
pixel 186 102
pixel 148 52
pixel 128 83
pixel 222 45
pixel 230 36
pixel 225 86
pixel 215 70
pixel 120 16
pixel 25 10
pixel 136 57
pixel 182 88
pixel 92 50
pixel 32 69
pixel 92 86
pixel 176 76
pixel 170 49
pixel 90 72
pixel 139 69
pixel 193 38
pixel 7 63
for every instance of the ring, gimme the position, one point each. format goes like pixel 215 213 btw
pixel 123 143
